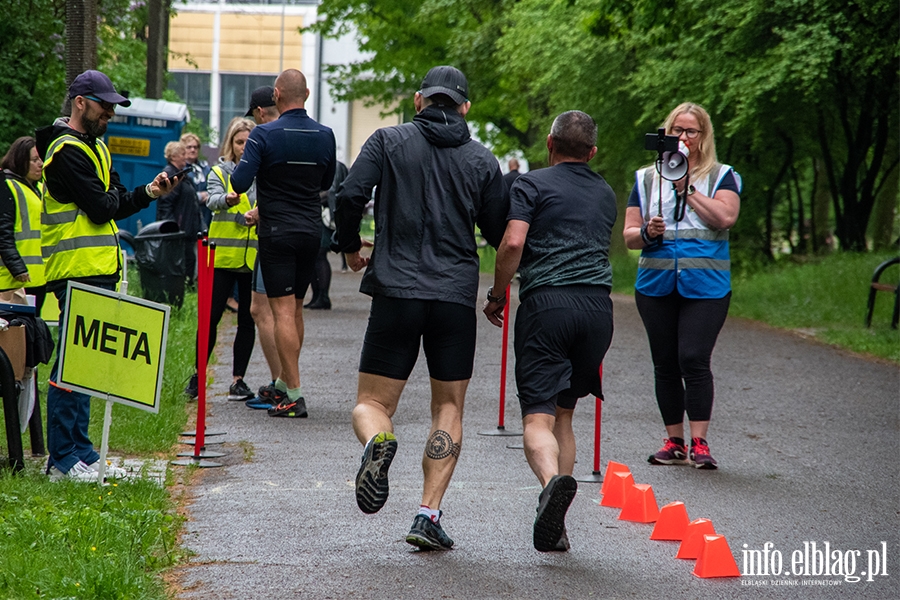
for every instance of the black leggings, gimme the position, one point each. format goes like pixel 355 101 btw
pixel 223 287
pixel 322 281
pixel 682 334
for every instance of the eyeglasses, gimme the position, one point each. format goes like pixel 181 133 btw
pixel 690 133
pixel 192 147
pixel 103 103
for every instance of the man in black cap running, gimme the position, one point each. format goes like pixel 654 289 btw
pixel 434 184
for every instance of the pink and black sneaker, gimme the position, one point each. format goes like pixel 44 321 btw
pixel 673 452
pixel 700 455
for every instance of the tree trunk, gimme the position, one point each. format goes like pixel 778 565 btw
pixel 157 46
pixel 81 40
pixel 885 213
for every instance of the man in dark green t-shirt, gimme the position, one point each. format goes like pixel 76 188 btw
pixel 557 237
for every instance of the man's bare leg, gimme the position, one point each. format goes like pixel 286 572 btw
pixel 265 325
pixel 444 440
pixel 288 314
pixel 376 402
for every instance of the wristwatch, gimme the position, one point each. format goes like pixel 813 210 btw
pixel 492 298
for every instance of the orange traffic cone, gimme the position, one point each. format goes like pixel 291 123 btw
pixel 692 544
pixel 716 559
pixel 612 467
pixel 640 505
pixel 672 523
pixel 615 494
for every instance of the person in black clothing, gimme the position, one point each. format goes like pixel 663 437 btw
pixel 434 184
pixel 321 283
pixel 292 159
pixel 510 178
pixel 182 206
pixel 560 222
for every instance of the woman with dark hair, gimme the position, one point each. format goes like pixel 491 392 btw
pixel 20 220
pixel 683 285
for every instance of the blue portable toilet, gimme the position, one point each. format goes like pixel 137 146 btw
pixel 136 137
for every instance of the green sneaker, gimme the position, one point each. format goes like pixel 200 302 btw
pixel 372 480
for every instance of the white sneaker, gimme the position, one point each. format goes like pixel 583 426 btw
pixel 112 471
pixel 79 472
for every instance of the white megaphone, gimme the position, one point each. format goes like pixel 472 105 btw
pixel 675 164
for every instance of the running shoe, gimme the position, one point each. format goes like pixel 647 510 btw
pixel 700 455
pixel 192 391
pixel 239 391
pixel 266 398
pixel 553 503
pixel 428 535
pixel 371 479
pixel 291 410
pixel 79 472
pixel 673 452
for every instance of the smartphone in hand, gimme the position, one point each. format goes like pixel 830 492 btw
pixel 180 174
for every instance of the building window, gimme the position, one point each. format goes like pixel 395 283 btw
pixel 193 89
pixel 235 95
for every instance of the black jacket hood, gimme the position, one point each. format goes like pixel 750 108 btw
pixel 44 136
pixel 442 127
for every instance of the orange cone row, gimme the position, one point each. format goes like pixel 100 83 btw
pixel 699 540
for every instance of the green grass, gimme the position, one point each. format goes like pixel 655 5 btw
pixel 74 540
pixel 827 298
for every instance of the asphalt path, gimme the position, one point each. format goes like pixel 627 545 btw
pixel 806 437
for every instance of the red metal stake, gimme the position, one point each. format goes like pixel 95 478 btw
pixel 501 428
pixel 596 476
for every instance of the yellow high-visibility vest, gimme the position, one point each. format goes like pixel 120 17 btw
pixel 27 231
pixel 236 244
pixel 72 245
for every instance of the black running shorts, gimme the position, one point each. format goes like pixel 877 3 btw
pixel 288 264
pixel 396 325
pixel 561 336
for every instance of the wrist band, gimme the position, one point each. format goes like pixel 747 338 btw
pixel 648 241
pixel 148 192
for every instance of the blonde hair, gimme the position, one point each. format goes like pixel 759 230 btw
pixel 190 137
pixel 173 148
pixel 237 125
pixel 706 141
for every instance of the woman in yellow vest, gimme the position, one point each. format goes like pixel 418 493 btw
pixel 20 221
pixel 236 245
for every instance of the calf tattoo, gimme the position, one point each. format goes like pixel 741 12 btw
pixel 440 445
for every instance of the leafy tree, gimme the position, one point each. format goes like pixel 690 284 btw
pixel 32 66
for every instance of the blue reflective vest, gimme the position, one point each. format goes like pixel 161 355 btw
pixel 693 257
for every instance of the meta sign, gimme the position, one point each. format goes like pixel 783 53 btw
pixel 114 346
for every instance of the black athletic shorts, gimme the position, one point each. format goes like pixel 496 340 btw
pixel 288 264
pixel 396 325
pixel 561 336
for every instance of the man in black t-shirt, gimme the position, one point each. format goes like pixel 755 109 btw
pixel 557 237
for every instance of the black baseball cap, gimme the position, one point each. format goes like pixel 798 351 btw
pixel 261 98
pixel 95 83
pixel 446 80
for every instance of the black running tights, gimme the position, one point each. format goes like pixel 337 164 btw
pixel 682 334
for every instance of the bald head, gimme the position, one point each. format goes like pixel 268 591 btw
pixel 290 90
pixel 513 164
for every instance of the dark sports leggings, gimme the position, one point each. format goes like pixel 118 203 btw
pixel 321 283
pixel 223 286
pixel 682 333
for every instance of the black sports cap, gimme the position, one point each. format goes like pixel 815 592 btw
pixel 96 83
pixel 261 98
pixel 446 80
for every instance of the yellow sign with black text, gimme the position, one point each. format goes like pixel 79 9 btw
pixel 129 146
pixel 114 346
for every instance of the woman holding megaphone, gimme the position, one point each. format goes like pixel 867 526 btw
pixel 683 285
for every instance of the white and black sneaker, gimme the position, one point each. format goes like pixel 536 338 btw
pixel 239 391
